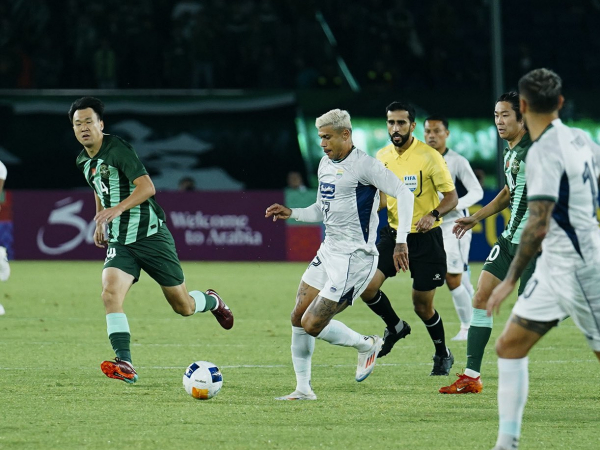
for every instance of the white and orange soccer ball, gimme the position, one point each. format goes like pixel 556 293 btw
pixel 202 380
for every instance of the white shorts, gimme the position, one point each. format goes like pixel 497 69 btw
pixel 550 296
pixel 457 250
pixel 340 277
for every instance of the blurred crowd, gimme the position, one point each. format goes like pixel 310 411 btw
pixel 282 44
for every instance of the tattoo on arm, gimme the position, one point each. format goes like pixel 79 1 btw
pixel 533 234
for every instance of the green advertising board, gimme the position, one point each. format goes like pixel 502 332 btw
pixel 475 139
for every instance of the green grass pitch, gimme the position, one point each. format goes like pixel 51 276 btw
pixel 54 396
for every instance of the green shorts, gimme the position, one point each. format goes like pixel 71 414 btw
pixel 155 254
pixel 500 258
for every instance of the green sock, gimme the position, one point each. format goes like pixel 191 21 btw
pixel 204 302
pixel 117 328
pixel 121 345
pixel 479 335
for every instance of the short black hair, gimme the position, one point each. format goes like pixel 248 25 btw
pixel 512 97
pixel 399 106
pixel 87 102
pixel 438 117
pixel 542 89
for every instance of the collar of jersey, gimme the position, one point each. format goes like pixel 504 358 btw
pixel 349 153
pixel 102 147
pixel 550 125
pixel 524 142
pixel 408 150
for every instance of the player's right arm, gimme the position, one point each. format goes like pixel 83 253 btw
pixel 313 213
pixel 389 184
pixel 500 202
pixel 144 189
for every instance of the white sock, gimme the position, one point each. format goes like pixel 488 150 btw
pixel 337 333
pixel 471 373
pixel 303 346
pixel 462 303
pixel 466 282
pixel 513 387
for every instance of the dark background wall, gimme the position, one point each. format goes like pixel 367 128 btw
pixel 436 54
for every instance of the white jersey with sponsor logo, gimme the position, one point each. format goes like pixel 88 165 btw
pixel 348 200
pixel 562 166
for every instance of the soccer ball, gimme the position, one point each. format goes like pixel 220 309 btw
pixel 202 380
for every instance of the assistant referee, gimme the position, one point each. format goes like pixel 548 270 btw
pixel 425 172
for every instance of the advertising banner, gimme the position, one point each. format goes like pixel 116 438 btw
pixel 206 226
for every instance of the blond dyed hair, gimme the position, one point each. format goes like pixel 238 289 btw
pixel 339 119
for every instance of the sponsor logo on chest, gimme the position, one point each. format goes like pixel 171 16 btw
pixel 104 171
pixel 327 190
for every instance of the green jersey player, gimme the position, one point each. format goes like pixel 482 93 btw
pixel 132 225
pixel 510 126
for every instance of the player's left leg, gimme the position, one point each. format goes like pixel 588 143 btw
pixel 317 321
pixel 456 258
pixel 157 255
pixel 466 281
pixel 512 347
pixel 347 277
pixel 192 302
pixel 462 304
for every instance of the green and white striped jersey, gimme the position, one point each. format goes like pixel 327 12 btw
pixel 514 171
pixel 111 173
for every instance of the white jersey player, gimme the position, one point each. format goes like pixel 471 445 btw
pixel 457 250
pixel 562 191
pixel 4 266
pixel 347 203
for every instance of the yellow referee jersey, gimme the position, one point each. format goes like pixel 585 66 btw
pixel 425 173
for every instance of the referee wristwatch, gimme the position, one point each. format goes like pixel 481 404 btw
pixel 435 213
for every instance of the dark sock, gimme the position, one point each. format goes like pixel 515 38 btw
pixel 121 345
pixel 435 326
pixel 476 341
pixel 381 306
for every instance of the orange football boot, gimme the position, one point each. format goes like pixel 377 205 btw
pixel 119 370
pixel 464 385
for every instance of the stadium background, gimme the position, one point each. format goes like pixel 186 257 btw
pixel 226 92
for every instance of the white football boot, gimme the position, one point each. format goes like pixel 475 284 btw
pixel 462 335
pixel 366 360
pixel 297 395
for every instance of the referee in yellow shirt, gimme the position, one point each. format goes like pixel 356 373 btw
pixel 425 172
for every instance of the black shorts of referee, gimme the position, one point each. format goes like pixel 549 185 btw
pixel 426 257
